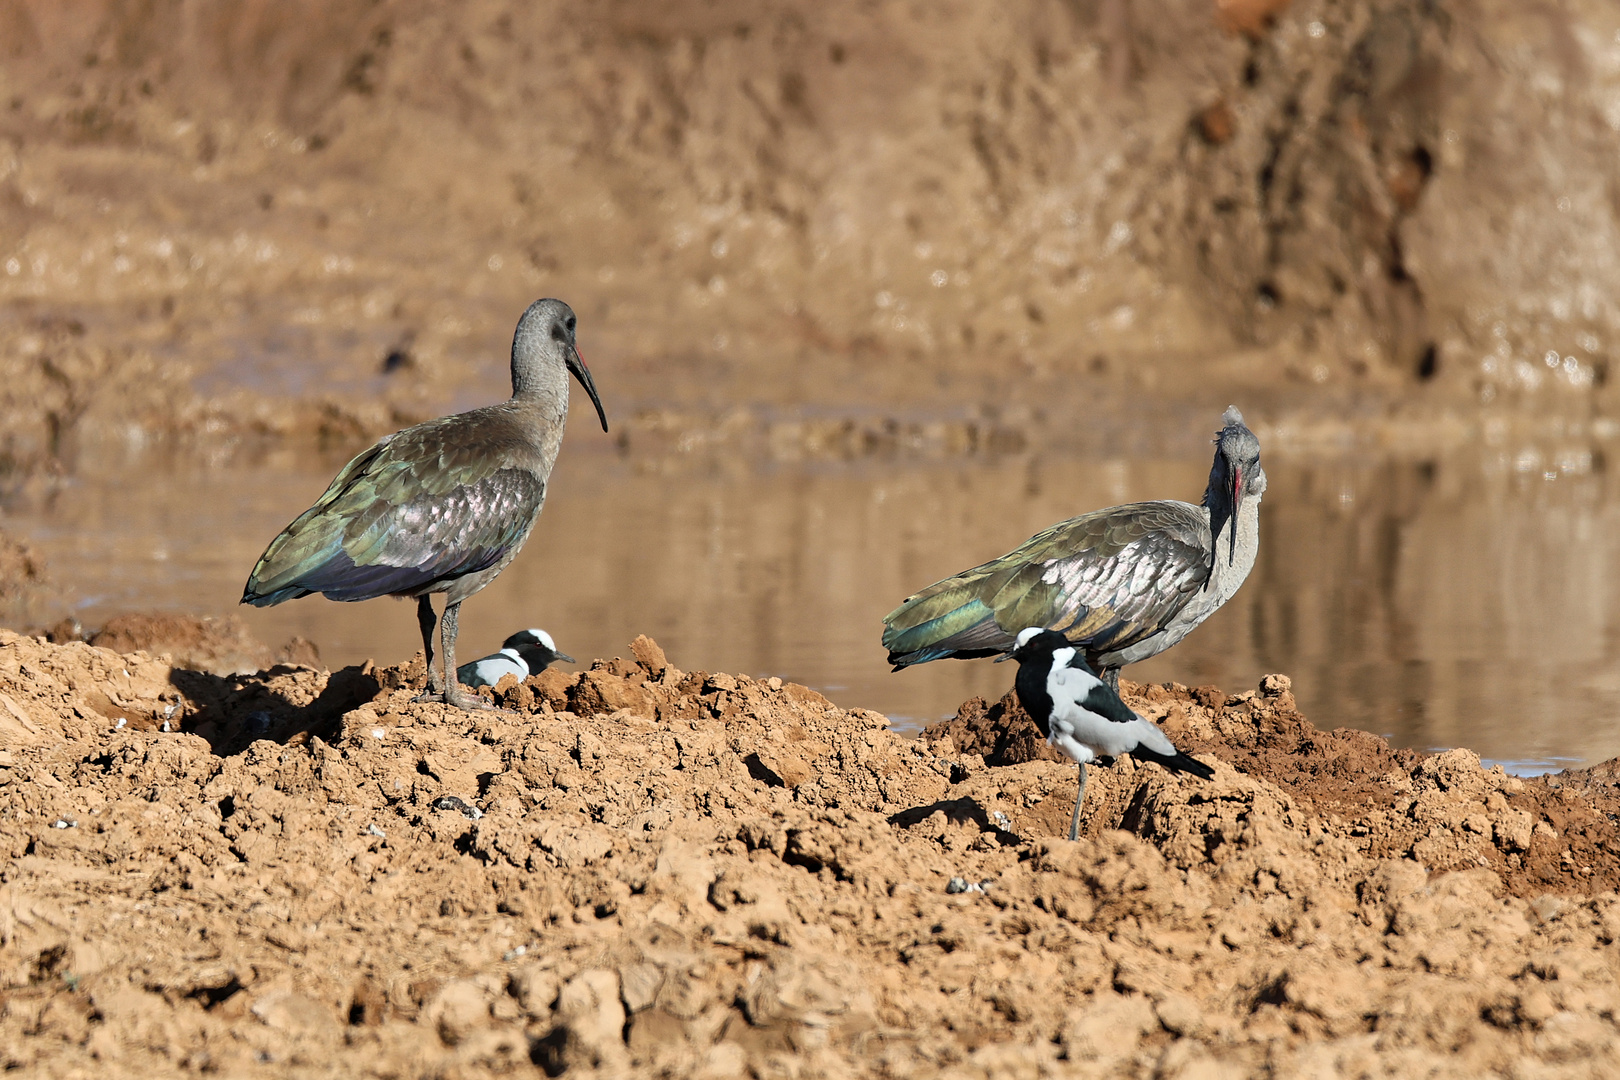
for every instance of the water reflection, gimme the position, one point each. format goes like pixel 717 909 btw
pixel 1457 601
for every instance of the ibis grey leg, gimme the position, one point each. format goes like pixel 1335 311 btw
pixel 454 693
pixel 1080 797
pixel 1111 677
pixel 426 620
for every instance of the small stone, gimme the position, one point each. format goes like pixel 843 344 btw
pixel 1179 1014
pixel 457 1010
pixel 376 830
pixel 1536 1005
pixel 461 806
pixel 649 656
pixel 639 985
pixel 1547 907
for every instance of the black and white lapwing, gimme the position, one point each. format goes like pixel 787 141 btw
pixel 525 653
pixel 441 507
pixel 1081 716
pixel 1122 584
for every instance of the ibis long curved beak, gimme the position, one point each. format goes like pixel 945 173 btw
pixel 1237 489
pixel 576 364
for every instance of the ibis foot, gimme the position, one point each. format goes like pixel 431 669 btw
pixel 465 699
pixel 462 698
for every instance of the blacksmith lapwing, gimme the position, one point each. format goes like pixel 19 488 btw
pixel 525 653
pixel 1081 716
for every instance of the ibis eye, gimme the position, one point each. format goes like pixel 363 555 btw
pixel 570 324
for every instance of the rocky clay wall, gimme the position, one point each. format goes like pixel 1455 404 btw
pixel 1314 194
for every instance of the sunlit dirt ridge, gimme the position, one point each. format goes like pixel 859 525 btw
pixel 647 871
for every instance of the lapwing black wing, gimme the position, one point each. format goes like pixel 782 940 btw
pixel 1081 716
pixel 441 507
pixel 1121 584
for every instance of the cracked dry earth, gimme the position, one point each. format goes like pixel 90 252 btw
pixel 638 871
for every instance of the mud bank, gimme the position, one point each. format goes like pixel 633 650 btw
pixel 643 871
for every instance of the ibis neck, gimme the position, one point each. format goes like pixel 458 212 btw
pixel 1233 563
pixel 544 412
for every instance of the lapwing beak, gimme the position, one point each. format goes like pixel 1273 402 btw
pixel 566 658
pixel 576 364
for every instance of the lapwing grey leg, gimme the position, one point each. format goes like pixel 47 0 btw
pixel 427 620
pixel 1080 797
pixel 454 693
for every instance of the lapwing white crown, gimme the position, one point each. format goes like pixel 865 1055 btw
pixel 1081 716
pixel 525 653
pixel 441 507
pixel 1122 584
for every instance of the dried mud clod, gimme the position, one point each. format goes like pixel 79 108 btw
pixel 643 871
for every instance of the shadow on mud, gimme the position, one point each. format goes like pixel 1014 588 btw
pixel 233 712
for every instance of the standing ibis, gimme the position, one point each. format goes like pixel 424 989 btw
pixel 1081 716
pixel 525 653
pixel 1120 584
pixel 441 507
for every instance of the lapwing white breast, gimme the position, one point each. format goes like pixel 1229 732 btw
pixel 525 653
pixel 1081 716
pixel 1121 584
pixel 441 507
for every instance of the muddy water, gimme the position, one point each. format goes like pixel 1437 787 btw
pixel 1468 600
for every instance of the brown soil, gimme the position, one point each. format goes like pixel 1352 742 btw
pixel 642 871
pixel 25 583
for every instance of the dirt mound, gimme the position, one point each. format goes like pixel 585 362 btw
pixel 1556 833
pixel 643 871
pixel 203 643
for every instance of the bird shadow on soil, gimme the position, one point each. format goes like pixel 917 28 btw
pixel 233 712
pixel 956 811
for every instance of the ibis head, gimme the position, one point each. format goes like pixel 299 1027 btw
pixel 1235 475
pixel 545 335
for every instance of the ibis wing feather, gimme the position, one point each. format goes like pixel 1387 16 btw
pixel 411 511
pixel 1108 578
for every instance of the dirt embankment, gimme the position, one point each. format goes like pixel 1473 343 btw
pixel 644 871
pixel 322 219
